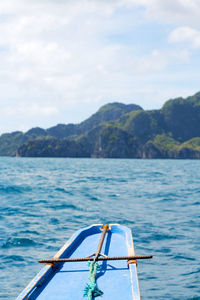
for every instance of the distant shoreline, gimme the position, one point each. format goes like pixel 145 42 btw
pixel 98 158
pixel 117 130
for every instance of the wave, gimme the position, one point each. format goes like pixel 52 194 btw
pixel 14 189
pixel 12 258
pixel 62 190
pixel 64 206
pixel 17 242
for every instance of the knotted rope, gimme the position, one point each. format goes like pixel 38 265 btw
pixel 91 290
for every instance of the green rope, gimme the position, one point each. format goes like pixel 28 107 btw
pixel 91 290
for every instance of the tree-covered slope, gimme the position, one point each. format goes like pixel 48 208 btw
pixel 182 117
pixel 52 147
pixel 107 113
pixel 10 142
pixel 117 130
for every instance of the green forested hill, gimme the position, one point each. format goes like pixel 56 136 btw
pixel 117 130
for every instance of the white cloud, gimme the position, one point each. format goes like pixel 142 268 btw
pixel 169 11
pixel 32 110
pixel 173 11
pixel 185 34
pixel 154 62
pixel 159 60
pixel 59 53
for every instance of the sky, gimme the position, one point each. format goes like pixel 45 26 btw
pixel 61 60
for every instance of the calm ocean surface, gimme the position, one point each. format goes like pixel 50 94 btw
pixel 43 201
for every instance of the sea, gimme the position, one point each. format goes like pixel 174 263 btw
pixel 43 201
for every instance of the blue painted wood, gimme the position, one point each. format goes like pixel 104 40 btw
pixel 67 280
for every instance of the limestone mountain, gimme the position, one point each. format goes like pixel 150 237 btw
pixel 117 130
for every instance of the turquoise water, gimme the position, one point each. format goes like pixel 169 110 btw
pixel 43 201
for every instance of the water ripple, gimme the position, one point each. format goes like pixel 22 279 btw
pixel 43 201
pixel 18 242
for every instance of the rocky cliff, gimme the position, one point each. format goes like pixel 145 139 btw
pixel 117 130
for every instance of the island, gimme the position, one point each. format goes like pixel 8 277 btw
pixel 117 130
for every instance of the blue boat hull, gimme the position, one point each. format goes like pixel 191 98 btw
pixel 65 281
